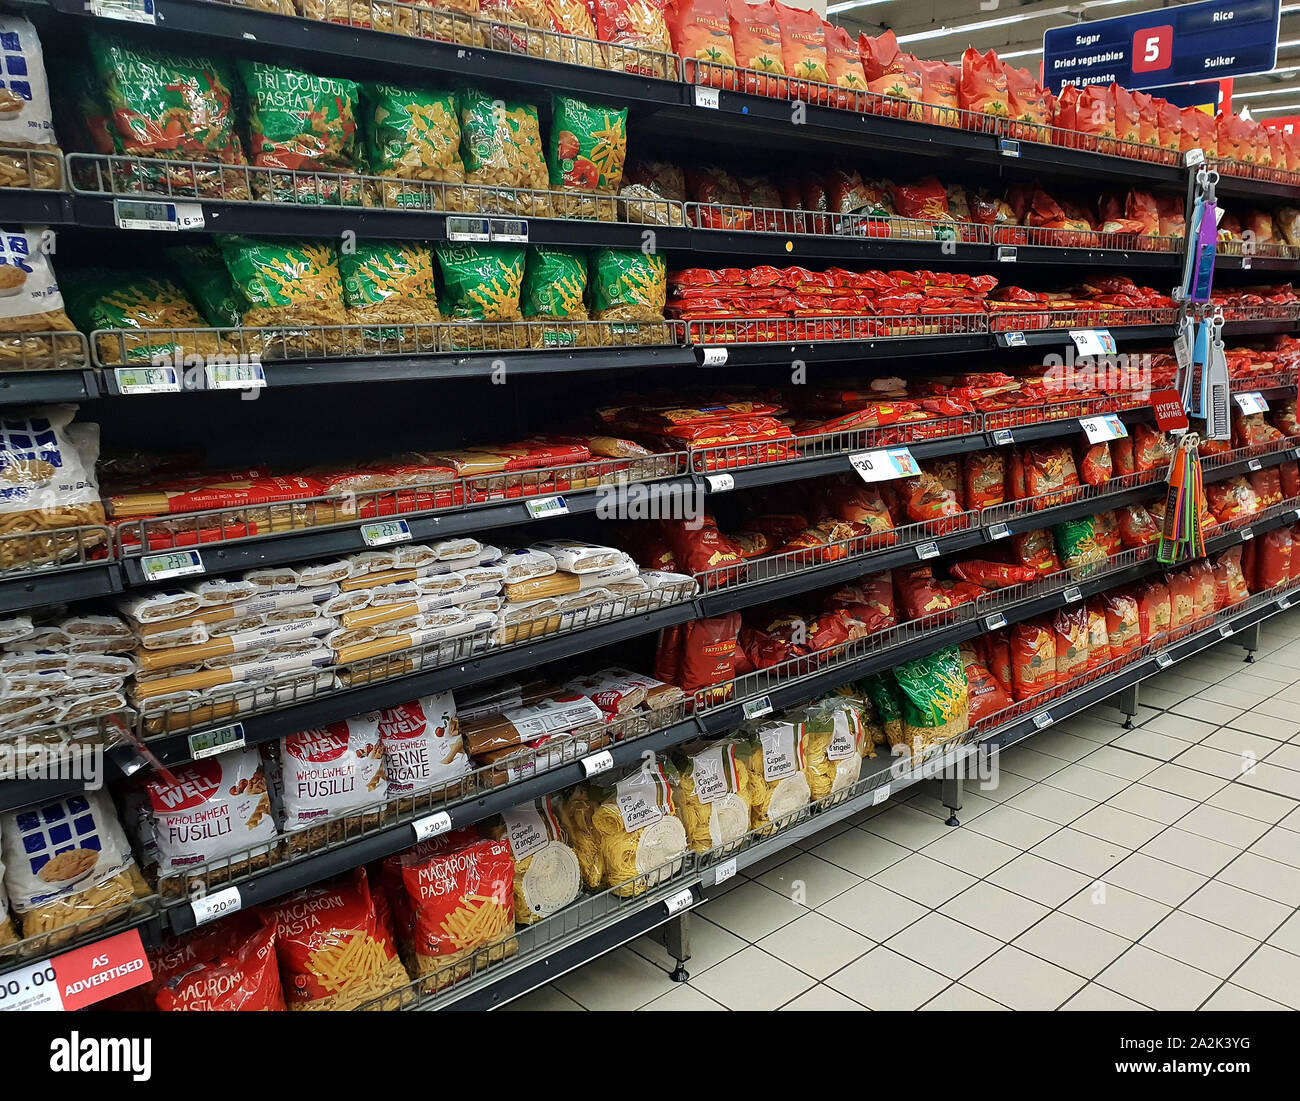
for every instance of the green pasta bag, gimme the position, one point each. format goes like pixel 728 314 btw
pixel 935 698
pixel 413 134
pixel 628 285
pixel 588 145
pixel 303 122
pixel 392 281
pixel 202 271
pixel 481 282
pixel 555 281
pixel 501 147
pixel 881 690
pixel 1077 542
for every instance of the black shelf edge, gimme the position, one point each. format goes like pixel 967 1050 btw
pixel 1264 327
pixel 1038 337
pixel 34 590
pixel 37 387
pixel 34 206
pixel 21 793
pixel 781 353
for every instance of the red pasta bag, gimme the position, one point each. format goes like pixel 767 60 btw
pixel 858 503
pixel 1229 578
pixel 1153 609
pixel 1033 659
pixel 1070 625
pixel 983 479
pixel 1295 553
pixel 1272 560
pixel 987 696
pixel 997 652
pixel 1049 471
pixel 1267 484
pixel 227 966
pixel 1037 550
pixel 1122 461
pixel 1105 530
pixel 1249 552
pixel 1015 480
pixel 1169 128
pixel 759 650
pixel 1027 101
pixel 1289 477
pixel 939 82
pixel 844 65
pixel 701 549
pixel 1096 468
pixel 869 601
pixel 983 87
pixel 668 655
pixel 804 50
pixel 756 41
pixel 1123 622
pixel 891 73
pixel 700 32
pixel 992 575
pixel 1182 599
pixel 709 654
pixel 1205 590
pixel 1098 640
pixel 1128 121
pixel 1148 124
pixel 1136 526
pixel 1151 448
pixel 828 631
pixel 925 498
pixel 918 593
pixel 638 25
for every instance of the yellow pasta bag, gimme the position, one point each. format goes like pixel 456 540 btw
pixel 707 780
pixel 547 874
pixel 835 741
pixel 777 790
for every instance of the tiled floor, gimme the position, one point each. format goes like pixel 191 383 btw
pixel 1155 868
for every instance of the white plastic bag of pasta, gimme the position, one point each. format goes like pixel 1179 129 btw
pixel 641 838
pixel 217 809
pixel 547 877
pixel 25 117
pixel 332 771
pixel 777 789
pixel 422 745
pixel 7 934
pixel 47 467
pixel 66 861
pixel 834 730
pixel 708 779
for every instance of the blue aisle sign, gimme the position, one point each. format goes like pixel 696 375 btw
pixel 1213 39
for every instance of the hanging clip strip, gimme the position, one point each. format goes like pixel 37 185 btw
pixel 1170 535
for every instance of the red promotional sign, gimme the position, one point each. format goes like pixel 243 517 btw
pixel 100 970
pixel 1170 414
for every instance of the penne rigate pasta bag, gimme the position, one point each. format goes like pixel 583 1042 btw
pixel 547 876
pixel 708 779
pixel 835 741
pixel 776 789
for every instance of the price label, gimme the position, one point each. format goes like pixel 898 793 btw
pixel 147 380
pixel 719 483
pixel 431 825
pixel 160 567
pixel 1170 414
pixel 756 709
pixel 545 507
pixel 994 621
pixel 726 870
pixel 1225 630
pixel 78 978
pixel 1247 533
pixel 157 215
pixel 927 550
pixel 879 795
pixel 1014 339
pixel 1182 353
pixel 129 11
pixel 384 532
pixel 706 98
pixel 682 900
pixel 218 904
pixel 512 231
pixel 1295 454
pixel 1007 254
pixel 1254 464
pixel 1009 147
pixel 208 743
pixel 31 988
pixel 715 357
pixel 1251 402
pixel 1103 428
pixel 882 466
pixel 998 531
pixel 235 376
pixel 1042 720
pixel 597 763
pixel 1194 156
pixel 468 229
pixel 1073 594
pixel 1283 603
pixel 1093 342
pixel 1245 261
pixel 1004 437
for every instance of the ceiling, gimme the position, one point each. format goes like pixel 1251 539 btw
pixel 1017 28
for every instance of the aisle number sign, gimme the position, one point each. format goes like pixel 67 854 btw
pixel 1177 45
pixel 80 978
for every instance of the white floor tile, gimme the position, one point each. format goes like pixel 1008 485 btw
pixel 752 980
pixel 809 880
pixel 1184 781
pixel 960 998
pixel 1022 981
pixel 926 881
pixel 1040 880
pixel 913 829
pixel 970 852
pixel 1081 851
pixel 751 911
pixel 1155 879
pixel 1253 803
pixel 1266 878
pixel 1223 825
pixel 1013 827
pixel 1073 944
pixel 1116 762
pixel 1125 913
pixel 1051 804
pixel 1157 981
pixel 1088 782
pixel 882 979
pixel 1152 803
pixel 822 999
pixel 944 945
pixel 1190 851
pixel 684 998
pixel 1097 999
pixel 1203 944
pixel 860 852
pixel 1237 998
pixel 873 911
pixel 1110 823
pixel 816 945
pixel 1235 909
pixel 619 980
pixel 994 910
pixel 1273 973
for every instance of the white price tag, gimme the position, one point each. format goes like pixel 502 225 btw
pixel 147 380
pixel 468 229
pixel 1254 464
pixel 1072 595
pixel 512 231
pixel 545 507
pixel 726 870
pixel 1183 352
pixel 1042 720
pixel 1009 147
pixel 1251 402
pixel 383 532
pixel 882 466
pixel 1103 428
pixel 706 97
pixel 1193 157
pixel 998 531
pixel 31 988
pixel 927 550
pixel 1007 254
pixel 1004 437
pixel 756 709
pixel 432 825
pixel 719 483
pixel 1245 261
pixel 1247 533
pixel 1093 342
pixel 1015 339
pixel 682 900
pixel 597 763
pixel 235 376
pixel 880 795
pixel 1283 603
pixel 715 357
pixel 994 621
pixel 218 904
pixel 208 743
pixel 1225 630
pixel 160 567
pixel 158 214
pixel 1163 660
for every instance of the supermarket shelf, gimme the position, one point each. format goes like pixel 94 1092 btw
pixel 44 587
pixel 1263 327
pixel 34 206
pixel 21 793
pixel 35 387
pixel 1035 338
pixel 143 915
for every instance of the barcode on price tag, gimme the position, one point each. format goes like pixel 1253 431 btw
pixel 719 483
pixel 715 357
pixel 218 904
pixel 1247 533
pixel 597 763
pixel 147 380
pixel 512 231
pixel 880 795
pixel 994 621
pixel 881 466
pixel 385 532
pixel 682 900
pixel 756 709
pixel 1004 437
pixel 431 825
pixel 726 870
pixel 208 743
pixel 1164 660
pixel 468 229
pixel 1251 402
pixel 1073 594
pixel 247 375
pixel 1103 428
pixel 998 531
pixel 545 507
pixel 1014 339
pixel 706 97
pixel 1042 720
pixel 160 567
pixel 1093 342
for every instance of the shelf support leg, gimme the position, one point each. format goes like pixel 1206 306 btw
pixel 675 935
pixel 1127 702
pixel 1249 641
pixel 950 792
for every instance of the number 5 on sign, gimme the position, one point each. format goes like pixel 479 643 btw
pixel 1153 49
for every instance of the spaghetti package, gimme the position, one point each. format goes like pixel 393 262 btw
pixel 777 790
pixel 1033 658
pixel 331 772
pixel 709 781
pixel 1070 625
pixel 335 948
pixel 935 697
pixel 226 967
pixel 835 741
pixel 422 745
pixel 66 863
pixel 547 876
pixel 987 695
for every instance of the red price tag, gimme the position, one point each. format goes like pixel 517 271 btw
pixel 100 970
pixel 1153 49
pixel 1170 414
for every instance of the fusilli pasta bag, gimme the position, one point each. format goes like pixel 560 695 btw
pixel 547 873
pixel 391 282
pixel 501 147
pixel 641 839
pixel 834 738
pixel 935 698
pixel 708 780
pixel 777 789
pixel 413 134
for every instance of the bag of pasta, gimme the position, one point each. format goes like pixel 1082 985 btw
pixel 47 466
pixel 547 877
pixel 585 156
pixel 293 289
pixel 573 18
pixel 67 862
pixel 8 934
pixel 639 838
pixel 986 694
pixel 139 318
pixel 1154 609
pixel 335 946
pixel 25 118
pixel 1229 578
pixel 936 700
pixel 637 33
pixel 1033 659
pixel 481 283
pixel 202 272
pixel 501 146
pixel 835 741
pixel 513 25
pixel 307 124
pixel 883 694
pixel 1078 544
pixel 391 282
pixel 226 967
pixel 777 790
pixel 554 288
pixel 30 304
pixel 413 134
pixel 1071 627
pixel 628 289
pixel 709 781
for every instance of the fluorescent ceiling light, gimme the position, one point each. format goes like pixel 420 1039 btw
pixel 1021 53
pixel 1022 13
pixel 1265 92
pixel 1284 107
pixel 835 9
